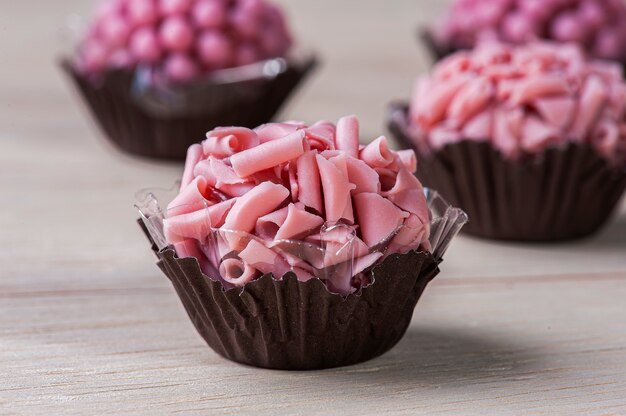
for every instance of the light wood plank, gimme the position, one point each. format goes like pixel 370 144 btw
pixel 89 325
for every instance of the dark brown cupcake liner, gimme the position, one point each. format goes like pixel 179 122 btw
pixel 163 124
pixel 563 193
pixel 291 325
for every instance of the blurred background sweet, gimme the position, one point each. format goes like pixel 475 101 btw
pixel 157 74
pixel 530 139
pixel 538 124
pixel 598 26
pixel 84 312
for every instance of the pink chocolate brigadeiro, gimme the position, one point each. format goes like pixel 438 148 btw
pixel 285 185
pixel 182 39
pixel 599 26
pixel 522 99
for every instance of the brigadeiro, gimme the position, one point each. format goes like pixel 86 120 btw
pixel 597 26
pixel 157 74
pixel 530 141
pixel 294 247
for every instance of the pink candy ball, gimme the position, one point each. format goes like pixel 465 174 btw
pixel 246 54
pixel 214 49
pixel 209 14
pixel 121 58
pixel 181 68
pixel 534 9
pixel 144 45
pixel 517 27
pixel 176 34
pixel 93 56
pixel 519 21
pixel 108 8
pixel 609 44
pixel 274 45
pixel 115 30
pixel 170 7
pixel 183 39
pixel 567 28
pixel 246 23
pixel 592 14
pixel 142 12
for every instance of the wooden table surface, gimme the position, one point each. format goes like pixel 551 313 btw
pixel 88 325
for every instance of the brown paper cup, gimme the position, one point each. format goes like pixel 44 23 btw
pixel 164 125
pixel 560 194
pixel 291 325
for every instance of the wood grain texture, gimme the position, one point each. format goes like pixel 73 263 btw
pixel 88 325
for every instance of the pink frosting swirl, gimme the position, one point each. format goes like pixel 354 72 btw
pixel 183 39
pixel 292 182
pixel 597 25
pixel 522 99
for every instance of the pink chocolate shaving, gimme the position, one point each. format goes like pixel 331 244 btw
pixel 550 94
pixel 288 197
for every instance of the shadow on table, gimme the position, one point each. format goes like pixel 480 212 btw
pixel 432 357
pixel 612 235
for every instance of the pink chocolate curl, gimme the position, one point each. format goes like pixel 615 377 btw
pixel 347 138
pixel 336 190
pixel 191 198
pixel 264 259
pixel 237 272
pixel 197 224
pixel 309 182
pixel 194 154
pixel 259 201
pixel 268 225
pixel 378 217
pixel 226 141
pixel 377 154
pixel 408 194
pixel 274 131
pixel 364 178
pixel 298 224
pixel 268 154
pixel 522 99
pixel 408 159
